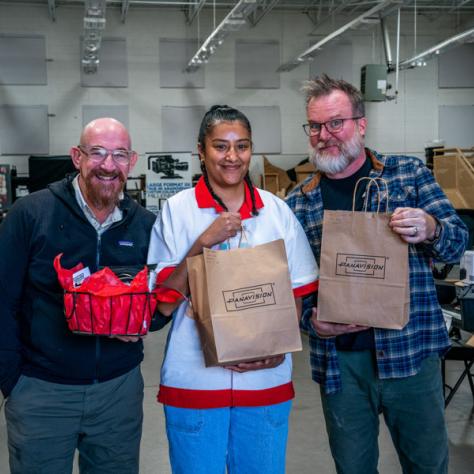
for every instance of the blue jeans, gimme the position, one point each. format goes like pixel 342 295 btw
pixel 245 439
pixel 413 409
pixel 47 422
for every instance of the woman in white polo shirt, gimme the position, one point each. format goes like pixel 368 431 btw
pixel 216 417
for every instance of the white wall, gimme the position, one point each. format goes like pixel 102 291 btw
pixel 402 126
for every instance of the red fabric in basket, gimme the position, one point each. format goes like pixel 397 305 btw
pixel 105 305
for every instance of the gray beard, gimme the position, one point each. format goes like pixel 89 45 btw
pixel 330 164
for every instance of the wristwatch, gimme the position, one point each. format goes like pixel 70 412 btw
pixel 437 231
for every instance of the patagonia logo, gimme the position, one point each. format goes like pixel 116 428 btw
pixel 243 298
pixel 365 266
pixel 125 243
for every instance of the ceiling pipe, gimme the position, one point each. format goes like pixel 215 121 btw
pixel 386 43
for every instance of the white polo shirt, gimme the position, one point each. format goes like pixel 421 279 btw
pixel 185 381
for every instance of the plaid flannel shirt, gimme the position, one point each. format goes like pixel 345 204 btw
pixel 399 353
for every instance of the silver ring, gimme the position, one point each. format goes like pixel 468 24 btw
pixel 415 230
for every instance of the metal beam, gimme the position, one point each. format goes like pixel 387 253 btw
pixel 262 11
pixel 331 13
pixel 459 5
pixel 193 10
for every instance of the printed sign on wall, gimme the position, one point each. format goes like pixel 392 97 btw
pixel 167 174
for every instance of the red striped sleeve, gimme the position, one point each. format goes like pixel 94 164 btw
pixel 164 294
pixel 164 274
pixel 306 289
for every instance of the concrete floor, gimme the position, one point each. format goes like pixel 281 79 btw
pixel 308 450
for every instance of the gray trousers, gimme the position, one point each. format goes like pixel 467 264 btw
pixel 413 409
pixel 47 422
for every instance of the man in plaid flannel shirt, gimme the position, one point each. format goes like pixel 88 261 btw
pixel 363 371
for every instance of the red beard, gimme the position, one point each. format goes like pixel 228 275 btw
pixel 104 194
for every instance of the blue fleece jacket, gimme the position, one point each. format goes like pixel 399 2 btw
pixel 34 337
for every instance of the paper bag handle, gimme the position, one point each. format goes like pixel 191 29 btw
pixel 366 200
pixel 241 238
pixel 242 235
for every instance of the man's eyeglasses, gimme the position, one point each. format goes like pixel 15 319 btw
pixel 98 154
pixel 332 126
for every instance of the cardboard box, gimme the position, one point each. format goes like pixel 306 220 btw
pixel 454 171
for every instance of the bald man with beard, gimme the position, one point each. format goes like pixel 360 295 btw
pixel 66 391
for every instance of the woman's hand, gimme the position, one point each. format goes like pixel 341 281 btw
pixel 224 227
pixel 268 363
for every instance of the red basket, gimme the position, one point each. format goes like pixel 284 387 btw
pixel 121 315
pixel 104 305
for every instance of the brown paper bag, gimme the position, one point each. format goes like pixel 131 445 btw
pixel 200 306
pixel 363 272
pixel 250 311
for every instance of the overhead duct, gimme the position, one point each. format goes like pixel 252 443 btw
pixel 94 24
pixel 386 43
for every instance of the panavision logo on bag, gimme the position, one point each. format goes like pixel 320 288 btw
pixel 243 298
pixel 365 266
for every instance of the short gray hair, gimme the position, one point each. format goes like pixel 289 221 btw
pixel 324 85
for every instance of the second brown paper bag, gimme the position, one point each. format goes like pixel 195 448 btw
pixel 363 271
pixel 243 303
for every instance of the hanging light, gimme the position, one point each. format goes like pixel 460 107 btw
pixel 420 59
pixel 234 21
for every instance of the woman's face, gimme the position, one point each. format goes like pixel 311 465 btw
pixel 226 153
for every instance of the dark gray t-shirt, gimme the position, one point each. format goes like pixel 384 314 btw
pixel 337 196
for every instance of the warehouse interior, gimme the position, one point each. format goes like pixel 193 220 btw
pixel 158 65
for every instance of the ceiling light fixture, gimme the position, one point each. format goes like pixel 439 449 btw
pixel 308 55
pixel 232 22
pixel 420 59
pixel 94 24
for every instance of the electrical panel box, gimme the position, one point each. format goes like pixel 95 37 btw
pixel 373 82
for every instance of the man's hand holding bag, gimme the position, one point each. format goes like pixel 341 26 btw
pixel 363 270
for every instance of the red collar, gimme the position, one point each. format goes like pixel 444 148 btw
pixel 205 200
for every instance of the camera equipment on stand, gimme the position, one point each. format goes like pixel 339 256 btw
pixel 167 174
pixel 167 165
